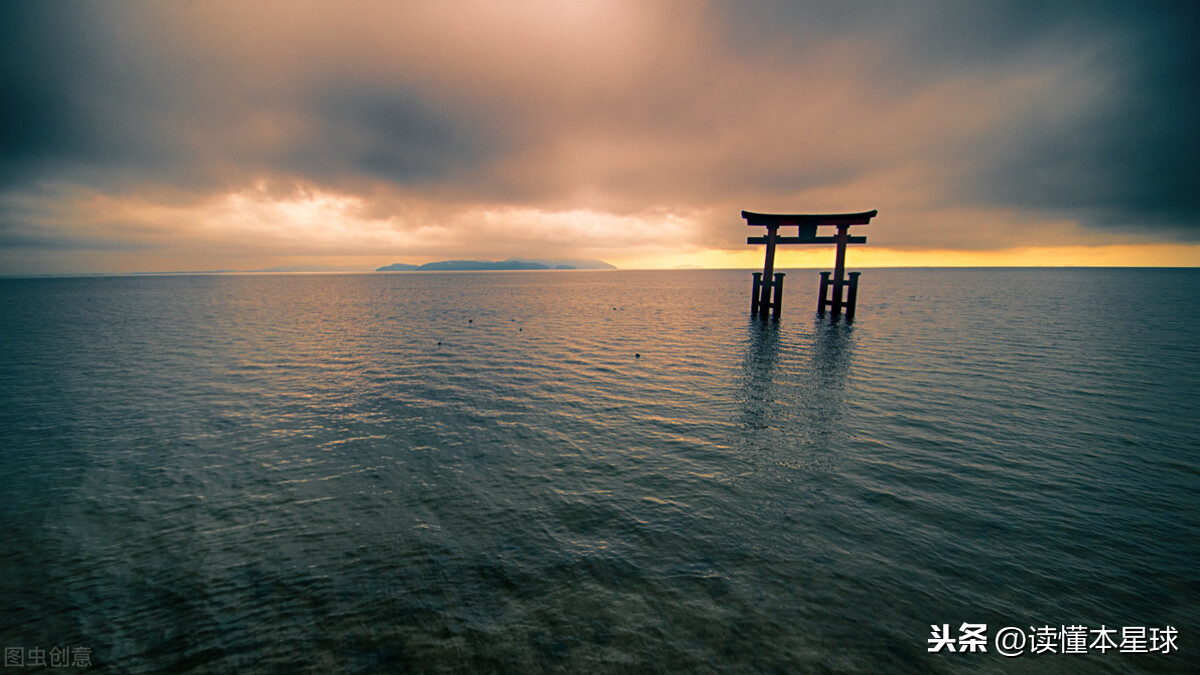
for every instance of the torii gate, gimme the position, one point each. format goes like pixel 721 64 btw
pixel 767 295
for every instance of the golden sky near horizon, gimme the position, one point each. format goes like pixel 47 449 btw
pixel 219 135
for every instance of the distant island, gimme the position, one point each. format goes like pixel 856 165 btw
pixel 493 265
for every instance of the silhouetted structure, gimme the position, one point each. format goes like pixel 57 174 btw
pixel 767 296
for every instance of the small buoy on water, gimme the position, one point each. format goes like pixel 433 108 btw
pixel 470 320
pixel 439 343
pixel 637 356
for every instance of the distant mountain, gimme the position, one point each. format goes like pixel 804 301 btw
pixel 570 263
pixel 490 265
pixel 475 265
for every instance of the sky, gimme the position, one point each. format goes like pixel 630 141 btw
pixel 202 135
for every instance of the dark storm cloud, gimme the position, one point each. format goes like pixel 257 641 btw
pixel 97 96
pixel 79 105
pixel 43 122
pixel 1115 146
pixel 383 133
pixel 21 237
pixel 1129 157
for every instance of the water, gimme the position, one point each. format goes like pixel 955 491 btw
pixel 596 471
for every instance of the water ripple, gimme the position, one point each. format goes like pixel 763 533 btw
pixel 592 471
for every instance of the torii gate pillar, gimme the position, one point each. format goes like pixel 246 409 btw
pixel 767 294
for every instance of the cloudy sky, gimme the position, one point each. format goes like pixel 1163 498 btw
pixel 156 136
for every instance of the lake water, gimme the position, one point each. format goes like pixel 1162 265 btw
pixel 597 471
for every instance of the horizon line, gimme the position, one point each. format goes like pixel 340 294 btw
pixel 64 275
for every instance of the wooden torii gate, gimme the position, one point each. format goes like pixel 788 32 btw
pixel 767 296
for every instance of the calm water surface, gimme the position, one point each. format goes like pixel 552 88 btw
pixel 596 471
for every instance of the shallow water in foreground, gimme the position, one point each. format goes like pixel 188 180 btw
pixel 605 471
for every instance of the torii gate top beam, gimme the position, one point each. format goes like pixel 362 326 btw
pixel 777 219
pixel 806 226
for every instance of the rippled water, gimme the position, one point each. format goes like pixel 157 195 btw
pixel 595 471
